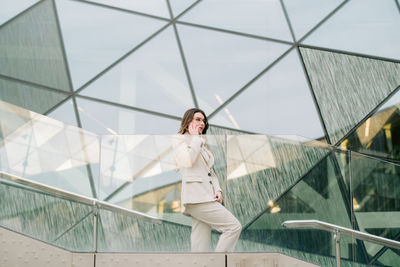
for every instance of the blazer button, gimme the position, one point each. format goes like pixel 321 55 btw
pixel 209 174
pixel 210 182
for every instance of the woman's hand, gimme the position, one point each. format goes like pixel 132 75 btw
pixel 218 197
pixel 193 129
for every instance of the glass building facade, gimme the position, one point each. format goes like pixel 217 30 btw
pixel 302 97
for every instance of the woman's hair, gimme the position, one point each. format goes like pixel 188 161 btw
pixel 188 117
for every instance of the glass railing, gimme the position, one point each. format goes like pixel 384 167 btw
pixel 265 179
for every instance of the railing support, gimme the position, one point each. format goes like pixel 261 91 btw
pixel 95 229
pixel 337 241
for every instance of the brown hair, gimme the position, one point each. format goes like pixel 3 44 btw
pixel 188 117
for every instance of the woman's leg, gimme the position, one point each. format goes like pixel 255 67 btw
pixel 220 219
pixel 200 237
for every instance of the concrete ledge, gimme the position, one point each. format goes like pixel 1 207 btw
pixel 160 260
pixel 19 250
pixel 265 260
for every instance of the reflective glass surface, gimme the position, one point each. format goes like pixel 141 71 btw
pixel 391 257
pixel 260 168
pixel 30 48
pixel 64 113
pixel 152 77
pixel 121 233
pixel 362 26
pixel 29 97
pixel 222 63
pixel 127 158
pixel 306 14
pixel 11 8
pixel 94 42
pixel 46 217
pixel 347 88
pixel 106 119
pixel 317 196
pixel 259 17
pixel 153 7
pixel 47 151
pixel 376 197
pixel 178 6
pixel 379 134
pixel 278 103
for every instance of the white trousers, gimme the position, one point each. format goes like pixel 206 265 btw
pixel 213 215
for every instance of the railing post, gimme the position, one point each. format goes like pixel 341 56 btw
pixel 95 221
pixel 337 241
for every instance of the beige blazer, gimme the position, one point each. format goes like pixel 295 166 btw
pixel 195 161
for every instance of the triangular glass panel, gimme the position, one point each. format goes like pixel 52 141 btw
pixel 39 215
pixel 378 135
pixel 152 7
pixel 65 113
pixel 374 31
pixel 152 78
pixel 347 88
pixel 178 6
pixel 282 91
pixel 109 119
pixel 120 232
pixel 305 14
pixel 257 164
pixel 318 196
pixel 30 48
pixel 94 42
pixel 79 237
pixel 50 152
pixel 10 8
pixel 222 63
pixel 390 257
pixel 257 17
pixel 29 97
pixel 376 197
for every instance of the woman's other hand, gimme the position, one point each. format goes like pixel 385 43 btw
pixel 218 197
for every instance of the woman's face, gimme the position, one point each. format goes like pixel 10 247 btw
pixel 198 122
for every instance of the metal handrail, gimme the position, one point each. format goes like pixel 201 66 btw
pixel 339 230
pixel 76 197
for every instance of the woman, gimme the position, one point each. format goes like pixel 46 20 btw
pixel 201 195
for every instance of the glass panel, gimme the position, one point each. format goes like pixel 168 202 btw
pixel 10 8
pixel 126 159
pixel 79 237
pixel 178 6
pixel 152 77
pixel 94 42
pixel 64 113
pixel 371 25
pixel 347 87
pixel 391 257
pixel 376 197
pixel 317 196
pixel 259 17
pixel 217 69
pixel 44 217
pixel 48 151
pixel 153 7
pixel 280 100
pixel 29 97
pixel 306 14
pixel 266 167
pixel 107 119
pixel 379 134
pixel 139 172
pixel 122 233
pixel 30 48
